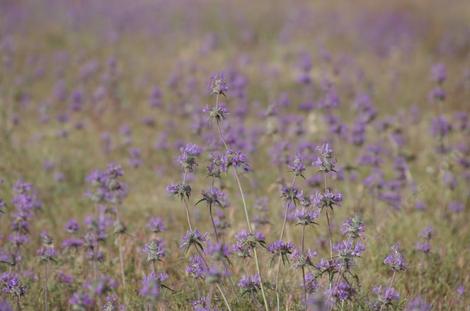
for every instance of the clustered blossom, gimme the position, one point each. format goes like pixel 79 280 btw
pixel 281 248
pixel 341 291
pixel 218 251
pixel 235 159
pixel 10 283
pixel 72 226
pixel 180 190
pixel 327 199
pixel 311 283
pixel 214 197
pixel 418 304
pixel 246 241
pixel 353 228
pixel 346 251
pixel 297 166
pixel 107 186
pixel 151 285
pixel 155 250
pixel 218 112
pixel 188 157
pixel 250 284
pixel 305 216
pixel 395 259
pixel 196 267
pixel 301 259
pixel 193 238
pixel 156 225
pixel 217 85
pixel 325 161
pixel 386 296
pixel 291 195
pixel 424 245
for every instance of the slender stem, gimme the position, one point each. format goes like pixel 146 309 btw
pixel 242 194
pixel 285 213
pixel 247 217
pixel 277 282
pixel 209 296
pixel 188 218
pixel 266 306
pixel 329 234
pixel 223 297
pixel 46 307
pixel 391 284
pixel 303 268
pixel 213 223
pixel 201 254
pixel 121 263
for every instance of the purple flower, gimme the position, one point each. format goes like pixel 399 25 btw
pixel 353 227
pixel 386 295
pixel 395 259
pixel 18 239
pixel 202 304
pixel 10 283
pixel 218 112
pixel 217 85
pixel 156 225
pixel 5 306
pixel 107 186
pixel 81 300
pixel 440 127
pixel 327 199
pixel 72 243
pixel 180 190
pixel 280 247
pixel 437 94
pixel 325 161
pixel 426 233
pixel 291 195
pixel 191 238
pixel 215 167
pixel 188 156
pixel 47 253
pixel 302 259
pixel 306 216
pixel 439 73
pixel 456 207
pixel 218 251
pixel 214 197
pixel 311 283
pixel 196 267
pixel 72 226
pixel 64 278
pixel 418 304
pixel 151 285
pixel 103 285
pixel 346 251
pixel 249 283
pixel 424 247
pixel 340 291
pixel 235 159
pixel 155 250
pixel 297 165
pixel 246 241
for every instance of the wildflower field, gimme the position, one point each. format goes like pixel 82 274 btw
pixel 234 155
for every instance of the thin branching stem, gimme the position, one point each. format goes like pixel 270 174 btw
pixel 245 209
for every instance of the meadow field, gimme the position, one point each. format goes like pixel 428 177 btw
pixel 234 155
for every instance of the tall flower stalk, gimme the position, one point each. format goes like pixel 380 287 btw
pixel 233 159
